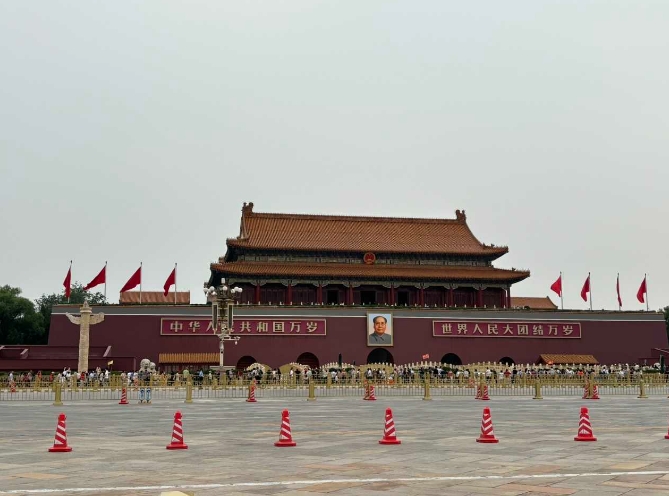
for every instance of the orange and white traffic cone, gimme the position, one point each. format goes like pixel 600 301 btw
pixel 584 427
pixel 484 392
pixel 366 396
pixel 252 393
pixel 60 440
pixel 487 434
pixel 586 391
pixel 372 395
pixel 177 434
pixel 124 397
pixel 595 392
pixel 389 435
pixel 478 392
pixel 285 436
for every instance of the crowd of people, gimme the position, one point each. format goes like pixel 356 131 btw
pixel 440 372
pixel 343 374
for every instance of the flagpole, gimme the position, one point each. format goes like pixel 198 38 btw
pixel 618 291
pixel 590 288
pixel 645 280
pixel 105 281
pixel 175 283
pixel 68 298
pixel 561 292
pixel 140 283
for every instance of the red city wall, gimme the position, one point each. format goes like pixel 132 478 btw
pixel 610 341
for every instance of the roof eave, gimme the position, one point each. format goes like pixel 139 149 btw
pixel 492 253
pixel 514 276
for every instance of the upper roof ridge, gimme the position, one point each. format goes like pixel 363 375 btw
pixel 248 212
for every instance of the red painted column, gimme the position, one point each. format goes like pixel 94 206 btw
pixel 479 298
pixel 257 298
pixel 508 297
pixel 289 295
pixel 350 295
pixel 450 298
pixel 504 298
pixel 392 294
pixel 421 297
pixel 319 294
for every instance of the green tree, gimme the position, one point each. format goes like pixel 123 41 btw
pixel 77 296
pixel 20 323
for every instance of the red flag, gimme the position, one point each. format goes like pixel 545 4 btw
pixel 642 291
pixel 134 281
pixel 172 279
pixel 586 289
pixel 557 286
pixel 620 301
pixel 67 283
pixel 101 278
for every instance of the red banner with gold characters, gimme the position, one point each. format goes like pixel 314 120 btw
pixel 249 327
pixel 501 329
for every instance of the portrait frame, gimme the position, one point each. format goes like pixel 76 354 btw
pixel 389 329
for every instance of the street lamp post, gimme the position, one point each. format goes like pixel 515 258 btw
pixel 222 301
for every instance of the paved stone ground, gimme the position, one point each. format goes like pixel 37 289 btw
pixel 120 450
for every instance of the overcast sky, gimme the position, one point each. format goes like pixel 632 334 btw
pixel 134 131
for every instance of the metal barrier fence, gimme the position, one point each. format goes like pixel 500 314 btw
pixel 161 390
pixel 525 380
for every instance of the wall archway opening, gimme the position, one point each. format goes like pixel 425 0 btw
pixel 380 355
pixel 451 359
pixel 245 361
pixel 508 361
pixel 309 359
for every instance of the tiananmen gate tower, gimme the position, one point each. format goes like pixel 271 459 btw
pixel 334 260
